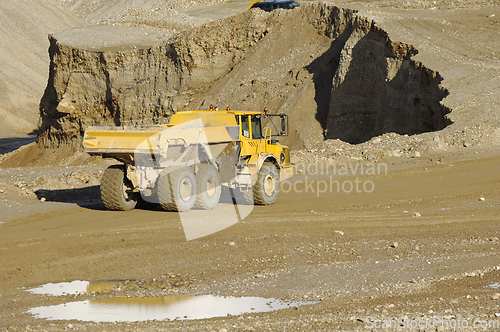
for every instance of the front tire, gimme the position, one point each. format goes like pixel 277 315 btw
pixel 266 189
pixel 117 190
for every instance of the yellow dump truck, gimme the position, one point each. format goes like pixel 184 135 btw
pixel 186 163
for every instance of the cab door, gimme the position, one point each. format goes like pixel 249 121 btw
pixel 252 140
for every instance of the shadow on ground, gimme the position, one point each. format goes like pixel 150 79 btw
pixel 10 144
pixel 87 197
pixel 90 198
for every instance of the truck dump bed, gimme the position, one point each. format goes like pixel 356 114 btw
pixel 185 128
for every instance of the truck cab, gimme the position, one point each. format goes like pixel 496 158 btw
pixel 257 143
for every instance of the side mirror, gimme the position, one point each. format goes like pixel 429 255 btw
pixel 284 122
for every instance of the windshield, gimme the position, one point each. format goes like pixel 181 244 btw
pixel 292 5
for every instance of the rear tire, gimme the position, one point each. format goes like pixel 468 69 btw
pixel 266 189
pixel 209 188
pixel 177 189
pixel 164 191
pixel 117 190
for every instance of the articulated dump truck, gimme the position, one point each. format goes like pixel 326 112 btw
pixel 187 163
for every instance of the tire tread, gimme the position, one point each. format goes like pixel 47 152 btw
pixel 199 203
pixel 165 192
pixel 111 186
pixel 257 188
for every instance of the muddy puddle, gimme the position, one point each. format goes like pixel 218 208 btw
pixel 179 307
pixel 137 309
pixel 62 288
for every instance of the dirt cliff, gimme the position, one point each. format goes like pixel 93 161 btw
pixel 24 26
pixel 336 74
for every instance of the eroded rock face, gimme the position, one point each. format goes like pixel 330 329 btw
pixel 137 86
pixel 377 89
pixel 335 74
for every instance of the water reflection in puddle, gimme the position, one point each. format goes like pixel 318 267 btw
pixel 181 307
pixel 495 285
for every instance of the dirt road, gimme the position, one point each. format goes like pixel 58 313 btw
pixel 423 243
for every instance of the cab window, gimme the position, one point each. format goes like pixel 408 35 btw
pixel 245 130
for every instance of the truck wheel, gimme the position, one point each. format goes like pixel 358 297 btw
pixel 177 189
pixel 265 190
pixel 164 191
pixel 116 190
pixel 209 188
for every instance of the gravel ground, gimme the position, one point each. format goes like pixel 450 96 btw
pixel 340 251
pixel 389 146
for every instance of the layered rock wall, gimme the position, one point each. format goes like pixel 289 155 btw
pixel 138 86
pixel 334 73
